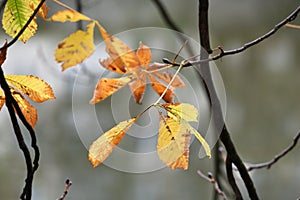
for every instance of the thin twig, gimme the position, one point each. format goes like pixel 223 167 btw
pixel 211 179
pixel 166 17
pixel 269 164
pixel 66 191
pixel 223 53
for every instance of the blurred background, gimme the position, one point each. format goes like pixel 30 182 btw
pixel 262 89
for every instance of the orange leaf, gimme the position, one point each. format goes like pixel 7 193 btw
pixel 107 86
pixel 160 88
pixel 43 12
pixel 27 109
pixel 101 148
pixel 173 143
pixel 167 76
pixel 118 50
pixel 138 87
pixel 144 55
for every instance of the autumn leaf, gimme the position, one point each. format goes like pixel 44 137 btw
pixel 15 16
pixel 43 11
pixel 68 15
pixel 173 143
pixel 3 54
pixel 107 86
pixel 123 60
pixel 101 148
pixel 183 113
pixel 179 111
pixel 76 48
pixel 33 87
pixel 29 111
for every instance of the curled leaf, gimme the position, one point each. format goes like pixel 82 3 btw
pixel 101 148
pixel 29 112
pixel 76 48
pixel 33 87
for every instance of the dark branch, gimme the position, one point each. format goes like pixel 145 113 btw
pixel 66 191
pixel 8 101
pixel 211 179
pixel 13 106
pixel 217 116
pixel 269 164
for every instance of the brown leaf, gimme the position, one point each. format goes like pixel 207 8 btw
pixel 160 88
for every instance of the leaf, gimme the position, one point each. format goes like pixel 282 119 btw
pixel 2 99
pixel 43 12
pixel 68 15
pixel 16 14
pixel 179 111
pixel 107 86
pixel 144 55
pixel 32 86
pixel 160 88
pixel 76 48
pixel 173 143
pixel 124 56
pixel 138 87
pixel 167 76
pixel 29 112
pixel 101 148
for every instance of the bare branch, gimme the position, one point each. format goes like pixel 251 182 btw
pixel 269 164
pixel 211 179
pixel 66 191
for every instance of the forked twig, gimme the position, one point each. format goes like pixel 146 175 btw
pixel 269 164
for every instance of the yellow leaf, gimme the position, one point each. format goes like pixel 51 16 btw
pixel 68 15
pixel 107 86
pixel 27 109
pixel 32 86
pixel 2 99
pixel 118 50
pixel 76 48
pixel 173 143
pixel 101 148
pixel 179 111
pixel 200 138
pixel 15 16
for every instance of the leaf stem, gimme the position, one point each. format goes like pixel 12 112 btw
pixel 170 83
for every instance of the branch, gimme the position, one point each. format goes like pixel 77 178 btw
pixel 269 164
pixel 218 118
pixel 223 53
pixel 167 19
pixel 66 191
pixel 211 179
pixel 13 106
